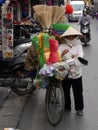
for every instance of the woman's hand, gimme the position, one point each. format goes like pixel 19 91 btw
pixel 74 55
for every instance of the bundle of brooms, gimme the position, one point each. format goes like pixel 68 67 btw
pixel 48 15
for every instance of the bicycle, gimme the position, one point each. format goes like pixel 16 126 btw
pixel 54 98
pixel 54 101
pixel 50 77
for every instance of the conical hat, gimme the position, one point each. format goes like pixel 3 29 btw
pixel 71 31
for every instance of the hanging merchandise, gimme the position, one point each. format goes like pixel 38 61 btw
pixel 25 8
pixel 7 31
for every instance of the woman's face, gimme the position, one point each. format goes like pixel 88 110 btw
pixel 71 37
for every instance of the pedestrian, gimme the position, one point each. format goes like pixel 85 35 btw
pixel 71 51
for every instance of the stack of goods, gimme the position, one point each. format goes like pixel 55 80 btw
pixel 58 69
pixel 46 45
pixel 47 48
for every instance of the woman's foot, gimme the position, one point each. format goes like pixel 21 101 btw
pixel 79 112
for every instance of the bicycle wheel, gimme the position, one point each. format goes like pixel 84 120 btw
pixel 54 102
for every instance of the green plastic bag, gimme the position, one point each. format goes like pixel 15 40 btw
pixel 45 40
pixel 61 27
pixel 35 42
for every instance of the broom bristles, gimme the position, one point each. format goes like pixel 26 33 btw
pixel 59 17
pixel 38 18
pixel 63 19
pixel 47 15
pixel 58 13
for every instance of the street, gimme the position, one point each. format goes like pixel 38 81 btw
pixel 33 116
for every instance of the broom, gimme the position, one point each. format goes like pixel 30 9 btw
pixel 46 15
pixel 44 18
pixel 58 13
pixel 38 18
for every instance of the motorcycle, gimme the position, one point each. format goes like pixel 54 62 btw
pixel 21 46
pixel 14 75
pixel 21 41
pixel 85 30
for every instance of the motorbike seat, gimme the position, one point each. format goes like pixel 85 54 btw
pixel 21 41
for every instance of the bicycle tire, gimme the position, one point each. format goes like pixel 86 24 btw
pixel 54 106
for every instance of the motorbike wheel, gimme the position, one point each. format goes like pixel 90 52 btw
pixel 84 40
pixel 22 84
pixel 54 102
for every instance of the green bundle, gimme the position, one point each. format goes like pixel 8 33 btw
pixel 61 27
pixel 45 40
pixel 35 42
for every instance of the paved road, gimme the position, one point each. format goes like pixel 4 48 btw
pixel 10 109
pixel 34 117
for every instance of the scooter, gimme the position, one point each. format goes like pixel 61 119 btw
pixel 85 30
pixel 14 75
pixel 21 46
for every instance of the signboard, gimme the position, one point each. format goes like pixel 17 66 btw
pixel 7 31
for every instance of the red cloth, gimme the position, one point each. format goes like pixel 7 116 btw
pixel 68 9
pixel 53 57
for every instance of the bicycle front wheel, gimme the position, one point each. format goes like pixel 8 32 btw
pixel 54 102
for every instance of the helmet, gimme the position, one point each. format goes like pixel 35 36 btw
pixel 84 10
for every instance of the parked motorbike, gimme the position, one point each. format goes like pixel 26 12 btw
pixel 22 40
pixel 21 46
pixel 21 31
pixel 85 30
pixel 35 28
pixel 14 76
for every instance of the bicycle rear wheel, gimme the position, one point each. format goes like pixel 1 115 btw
pixel 54 102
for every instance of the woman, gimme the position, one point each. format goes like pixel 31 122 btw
pixel 70 51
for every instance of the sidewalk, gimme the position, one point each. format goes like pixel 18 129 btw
pixel 11 110
pixel 4 92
